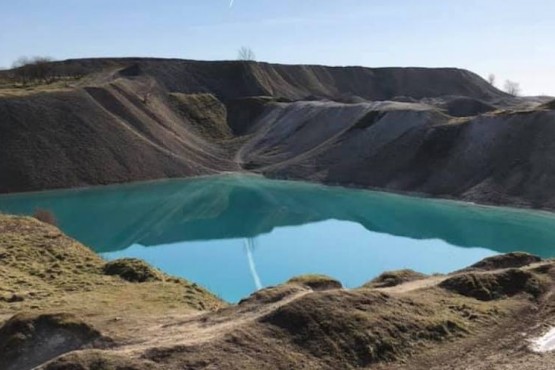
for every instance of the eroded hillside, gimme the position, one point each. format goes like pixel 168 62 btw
pixel 439 132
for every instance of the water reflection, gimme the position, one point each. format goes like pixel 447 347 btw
pixel 249 247
pixel 230 207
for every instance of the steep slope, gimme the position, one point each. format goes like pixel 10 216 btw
pixel 99 135
pixel 500 157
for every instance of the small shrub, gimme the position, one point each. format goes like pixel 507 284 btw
pixel 316 282
pixel 132 270
pixel 492 286
pixel 394 278
pixel 45 216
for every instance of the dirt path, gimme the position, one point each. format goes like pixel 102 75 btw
pixel 436 280
pixel 197 328
pixel 203 327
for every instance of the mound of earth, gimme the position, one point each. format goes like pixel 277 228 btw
pixel 359 328
pixel 514 259
pixel 28 340
pixel 394 278
pixel 490 286
pixel 467 107
pixel 43 270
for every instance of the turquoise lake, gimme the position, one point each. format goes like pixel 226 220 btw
pixel 235 234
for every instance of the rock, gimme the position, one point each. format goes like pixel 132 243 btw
pixel 360 327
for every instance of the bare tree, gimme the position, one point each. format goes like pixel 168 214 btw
pixel 35 69
pixel 42 69
pixel 512 88
pixel 491 79
pixel 246 54
pixel 20 70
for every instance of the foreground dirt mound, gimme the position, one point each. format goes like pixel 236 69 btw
pixel 515 259
pixel 394 278
pixel 97 360
pixel 360 328
pixel 490 286
pixel 28 340
pixel 454 321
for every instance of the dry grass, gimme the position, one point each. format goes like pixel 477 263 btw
pixel 205 113
pixel 44 269
pixel 11 90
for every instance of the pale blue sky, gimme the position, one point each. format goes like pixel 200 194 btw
pixel 511 38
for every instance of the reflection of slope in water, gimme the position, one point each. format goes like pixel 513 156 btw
pixel 249 248
pixel 239 207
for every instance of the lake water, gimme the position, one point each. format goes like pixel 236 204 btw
pixel 234 234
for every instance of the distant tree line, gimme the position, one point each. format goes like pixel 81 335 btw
pixel 34 70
